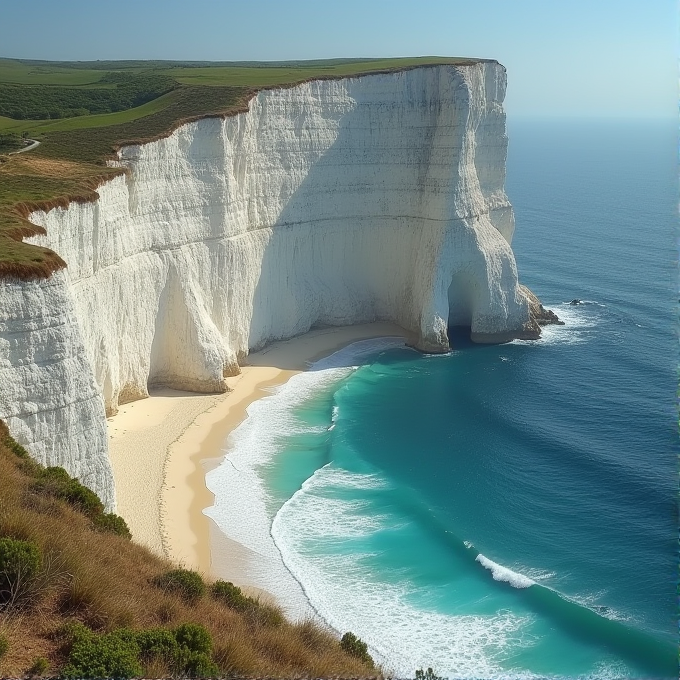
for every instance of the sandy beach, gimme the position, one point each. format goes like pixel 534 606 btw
pixel 162 447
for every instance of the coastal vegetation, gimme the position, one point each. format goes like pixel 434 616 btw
pixel 81 600
pixel 356 647
pixel 115 91
pixel 82 112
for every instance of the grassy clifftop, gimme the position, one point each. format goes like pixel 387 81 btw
pixel 78 138
pixel 74 590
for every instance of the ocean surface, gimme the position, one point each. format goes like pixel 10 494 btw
pixel 501 511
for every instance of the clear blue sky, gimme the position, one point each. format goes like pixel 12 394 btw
pixel 583 57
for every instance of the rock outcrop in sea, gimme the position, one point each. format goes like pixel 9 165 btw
pixel 332 202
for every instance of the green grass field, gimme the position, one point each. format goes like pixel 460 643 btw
pixel 71 160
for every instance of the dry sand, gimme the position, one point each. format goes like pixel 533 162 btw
pixel 161 448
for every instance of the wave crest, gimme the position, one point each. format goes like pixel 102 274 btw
pixel 501 573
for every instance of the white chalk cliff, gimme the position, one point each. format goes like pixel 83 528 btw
pixel 332 202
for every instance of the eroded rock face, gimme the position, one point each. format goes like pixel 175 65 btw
pixel 48 395
pixel 330 203
pixel 539 314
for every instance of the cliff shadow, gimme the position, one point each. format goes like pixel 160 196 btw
pixel 344 247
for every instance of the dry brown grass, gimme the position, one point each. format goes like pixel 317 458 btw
pixel 104 581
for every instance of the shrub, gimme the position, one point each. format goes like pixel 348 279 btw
pixel 10 141
pixel 184 582
pixel 157 643
pixel 4 646
pixel 70 632
pixel 55 481
pixel 115 524
pixel 231 595
pixel 194 637
pixel 356 647
pixel 196 664
pixel 16 448
pixel 39 666
pixel 112 655
pixel 19 562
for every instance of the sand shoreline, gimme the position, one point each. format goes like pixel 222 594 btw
pixel 162 447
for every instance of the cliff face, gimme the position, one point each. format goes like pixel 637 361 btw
pixel 332 202
pixel 48 396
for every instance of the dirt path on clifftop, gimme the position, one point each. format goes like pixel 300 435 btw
pixel 30 147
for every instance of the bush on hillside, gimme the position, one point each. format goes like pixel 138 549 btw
pixel 10 141
pixel 124 652
pixel 194 637
pixel 115 524
pixel 4 646
pixel 55 481
pixel 186 583
pixel 157 643
pixel 195 645
pixel 19 563
pixel 16 448
pixel 195 664
pixel 111 655
pixel 231 595
pixel 356 647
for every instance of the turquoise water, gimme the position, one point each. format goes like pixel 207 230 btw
pixel 509 511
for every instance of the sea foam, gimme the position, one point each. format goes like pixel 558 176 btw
pixel 243 508
pixel 313 531
pixel 579 325
pixel 281 540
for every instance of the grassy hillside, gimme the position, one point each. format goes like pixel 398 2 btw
pixel 74 590
pixel 144 100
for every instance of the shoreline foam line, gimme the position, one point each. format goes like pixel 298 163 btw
pixel 243 508
pixel 159 448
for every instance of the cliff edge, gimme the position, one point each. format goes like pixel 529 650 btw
pixel 332 202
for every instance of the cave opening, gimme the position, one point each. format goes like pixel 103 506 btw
pixel 461 299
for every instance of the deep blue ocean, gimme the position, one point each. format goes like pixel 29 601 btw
pixel 510 510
